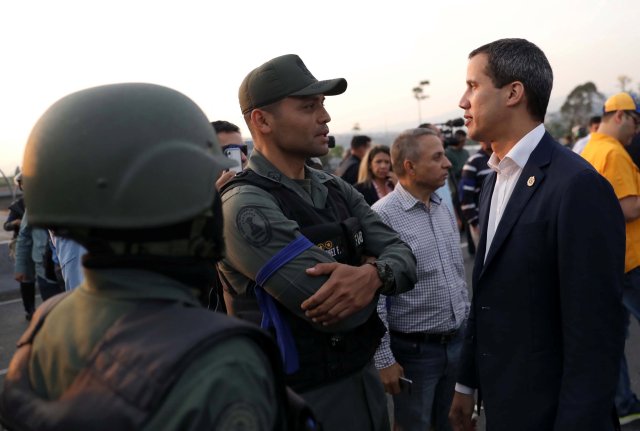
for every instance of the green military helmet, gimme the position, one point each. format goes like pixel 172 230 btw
pixel 122 156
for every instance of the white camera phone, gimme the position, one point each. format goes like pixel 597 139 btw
pixel 234 154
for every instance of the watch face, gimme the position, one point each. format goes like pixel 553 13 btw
pixel 385 274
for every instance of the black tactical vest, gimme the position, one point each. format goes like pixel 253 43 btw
pixel 324 357
pixel 131 370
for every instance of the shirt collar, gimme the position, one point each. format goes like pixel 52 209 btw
pixel 408 201
pixel 520 153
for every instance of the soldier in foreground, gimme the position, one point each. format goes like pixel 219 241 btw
pixel 128 171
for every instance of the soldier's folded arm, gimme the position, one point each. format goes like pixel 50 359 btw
pixel 255 230
pixel 394 264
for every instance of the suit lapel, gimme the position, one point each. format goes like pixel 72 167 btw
pixel 528 183
pixel 483 217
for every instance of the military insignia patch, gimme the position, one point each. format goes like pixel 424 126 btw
pixel 254 226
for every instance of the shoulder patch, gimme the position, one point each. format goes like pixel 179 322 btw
pixel 254 226
pixel 238 417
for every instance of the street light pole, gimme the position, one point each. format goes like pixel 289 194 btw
pixel 418 93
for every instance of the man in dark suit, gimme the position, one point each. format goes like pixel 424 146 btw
pixel 545 332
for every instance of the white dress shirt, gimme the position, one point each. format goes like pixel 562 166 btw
pixel 509 170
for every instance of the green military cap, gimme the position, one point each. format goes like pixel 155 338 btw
pixel 281 77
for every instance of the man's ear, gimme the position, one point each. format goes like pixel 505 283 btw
pixel 515 93
pixel 261 120
pixel 618 117
pixel 408 167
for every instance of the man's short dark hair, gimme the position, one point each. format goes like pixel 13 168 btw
pixel 596 119
pixel 222 126
pixel 460 132
pixel 360 141
pixel 512 60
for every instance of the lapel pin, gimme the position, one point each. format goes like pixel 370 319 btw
pixel 531 181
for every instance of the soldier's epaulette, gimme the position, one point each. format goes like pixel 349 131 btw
pixel 248 176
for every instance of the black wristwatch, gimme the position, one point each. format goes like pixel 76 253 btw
pixel 386 276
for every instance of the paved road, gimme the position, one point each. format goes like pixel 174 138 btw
pixel 12 323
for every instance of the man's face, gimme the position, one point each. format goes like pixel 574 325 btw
pixel 629 127
pixel 483 111
pixel 232 138
pixel 299 126
pixel 432 166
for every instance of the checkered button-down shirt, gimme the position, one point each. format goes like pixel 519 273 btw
pixel 439 301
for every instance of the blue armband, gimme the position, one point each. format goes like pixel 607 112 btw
pixel 270 314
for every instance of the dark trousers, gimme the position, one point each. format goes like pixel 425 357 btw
pixel 28 293
pixel 48 289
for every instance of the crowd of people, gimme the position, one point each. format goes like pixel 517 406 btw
pixel 167 257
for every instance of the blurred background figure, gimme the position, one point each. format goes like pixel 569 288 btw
pixel 348 169
pixel 457 155
pixel 34 263
pixel 68 258
pixel 594 123
pixel 229 136
pixel 16 213
pixel 470 186
pixel 375 177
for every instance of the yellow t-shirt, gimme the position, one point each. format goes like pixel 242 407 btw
pixel 612 161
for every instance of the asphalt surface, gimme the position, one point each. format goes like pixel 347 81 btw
pixel 13 323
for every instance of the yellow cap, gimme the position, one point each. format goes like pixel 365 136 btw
pixel 620 102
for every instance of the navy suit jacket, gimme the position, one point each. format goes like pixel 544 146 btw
pixel 546 329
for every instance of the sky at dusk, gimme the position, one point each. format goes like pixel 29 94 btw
pixel 383 49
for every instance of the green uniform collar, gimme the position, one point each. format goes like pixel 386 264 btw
pixel 263 167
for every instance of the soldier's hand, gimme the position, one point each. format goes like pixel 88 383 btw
pixel 348 290
pixel 461 412
pixel 390 378
pixel 20 277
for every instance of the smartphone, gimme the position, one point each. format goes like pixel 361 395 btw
pixel 234 154
pixel 405 384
